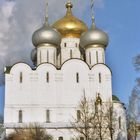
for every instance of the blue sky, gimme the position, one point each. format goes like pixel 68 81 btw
pixel 121 20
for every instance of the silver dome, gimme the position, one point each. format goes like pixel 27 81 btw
pixel 46 34
pixel 34 55
pixel 94 36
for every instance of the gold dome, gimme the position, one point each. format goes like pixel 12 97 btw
pixel 69 25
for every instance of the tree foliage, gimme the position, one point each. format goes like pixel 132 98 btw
pixel 95 120
pixel 133 110
pixel 136 62
pixel 33 132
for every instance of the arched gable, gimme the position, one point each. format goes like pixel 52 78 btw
pixel 22 67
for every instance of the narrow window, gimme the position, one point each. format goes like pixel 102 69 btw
pixel 20 116
pixel 77 77
pixel 21 77
pixel 90 57
pixel 40 56
pixel 81 138
pixel 100 78
pixel 60 58
pixel 119 122
pixel 70 53
pixel 78 115
pixel 47 77
pixel 76 45
pixel 47 56
pixel 97 56
pixel 65 44
pixel 47 115
pixel 54 57
pixel 60 138
pixel 103 57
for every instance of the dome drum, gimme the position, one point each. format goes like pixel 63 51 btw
pixel 95 46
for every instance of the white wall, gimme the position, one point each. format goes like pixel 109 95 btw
pixel 119 111
pixel 69 49
pixel 61 94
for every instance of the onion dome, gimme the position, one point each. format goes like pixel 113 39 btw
pixel 34 55
pixel 69 25
pixel 98 100
pixel 94 36
pixel 46 34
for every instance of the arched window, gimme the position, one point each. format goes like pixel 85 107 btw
pixel 97 57
pixel 119 122
pixel 60 58
pixel 70 53
pixel 78 115
pixel 81 138
pixel 20 116
pixel 47 77
pixel 60 138
pixel 40 57
pixel 47 56
pixel 77 77
pixel 54 57
pixel 90 57
pixel 65 44
pixel 100 78
pixel 47 115
pixel 21 77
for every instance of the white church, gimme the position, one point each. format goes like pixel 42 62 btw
pixel 69 61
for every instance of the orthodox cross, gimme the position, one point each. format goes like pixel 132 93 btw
pixel 92 11
pixel 46 14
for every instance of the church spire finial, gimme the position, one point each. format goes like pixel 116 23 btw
pixel 46 14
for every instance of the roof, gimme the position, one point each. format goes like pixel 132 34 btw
pixel 115 98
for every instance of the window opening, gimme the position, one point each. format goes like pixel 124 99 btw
pixel 90 57
pixel 97 56
pixel 100 78
pixel 70 53
pixel 77 77
pixel 81 138
pixel 60 138
pixel 47 77
pixel 78 115
pixel 20 116
pixel 40 56
pixel 119 122
pixel 47 56
pixel 21 77
pixel 47 115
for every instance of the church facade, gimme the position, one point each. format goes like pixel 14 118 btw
pixel 69 62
